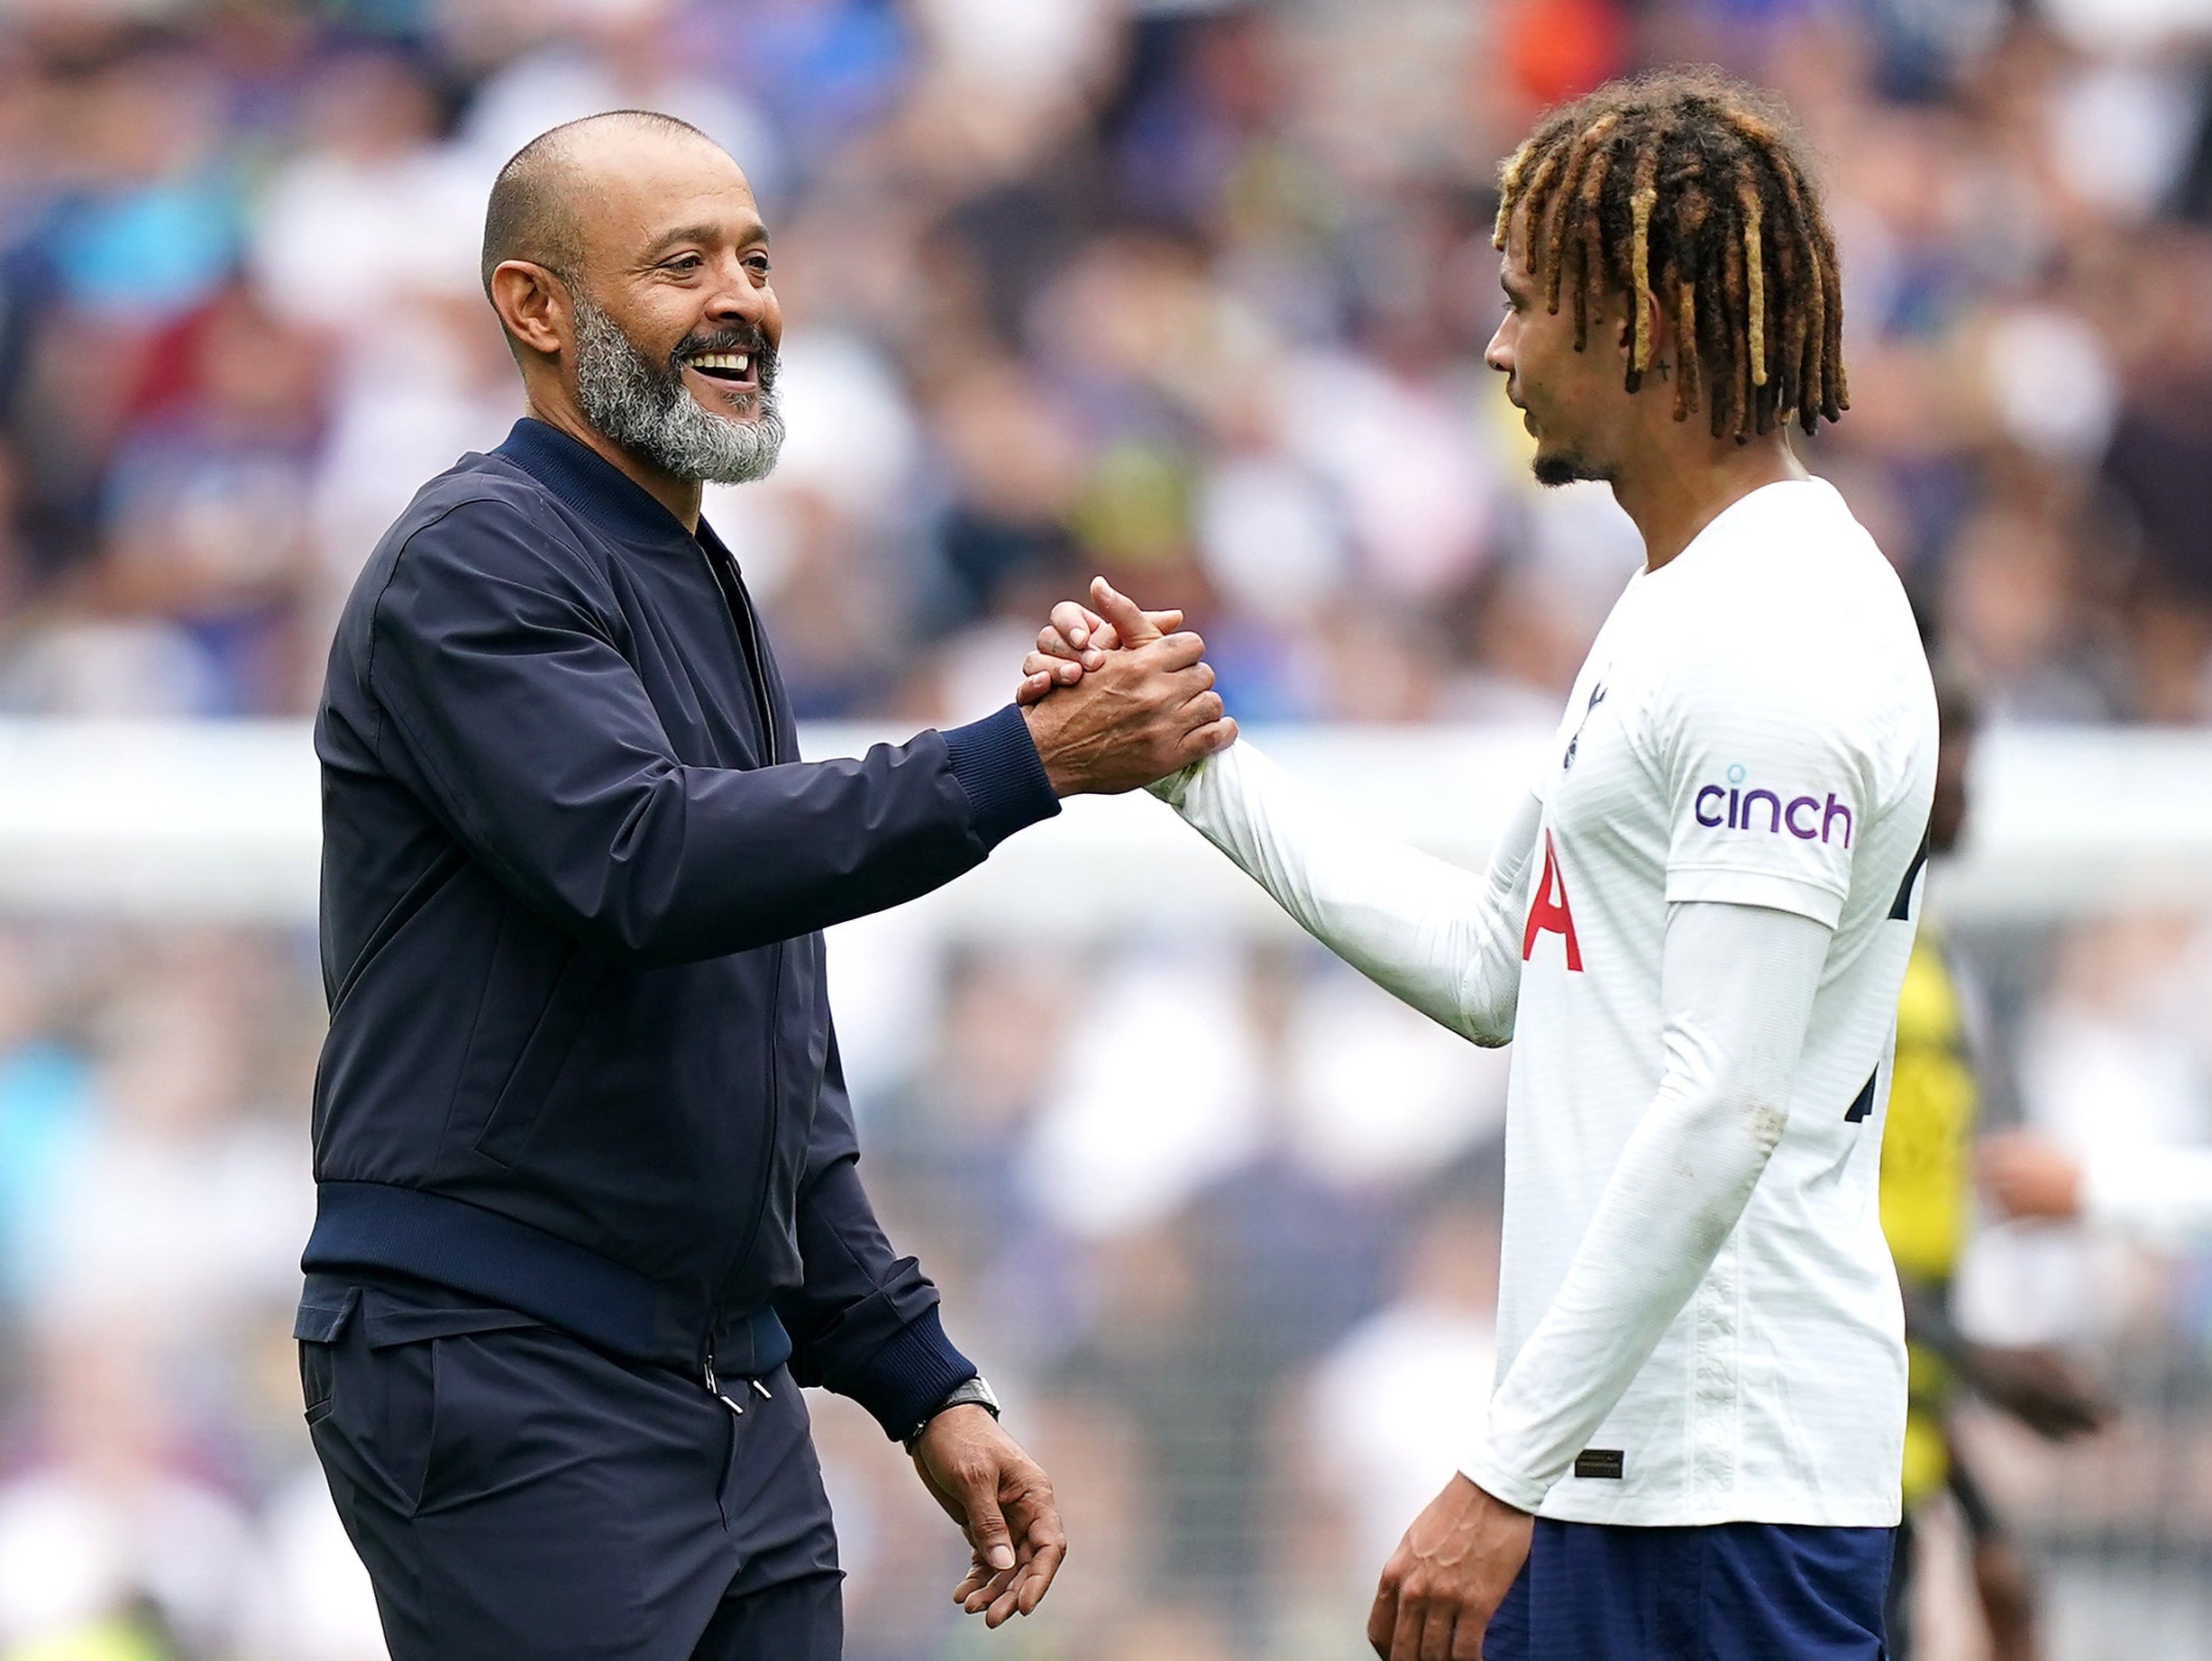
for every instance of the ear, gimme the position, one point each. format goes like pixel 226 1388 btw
pixel 1664 340
pixel 533 303
pixel 1656 320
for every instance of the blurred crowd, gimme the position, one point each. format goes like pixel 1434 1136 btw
pixel 1192 294
pixel 1219 1220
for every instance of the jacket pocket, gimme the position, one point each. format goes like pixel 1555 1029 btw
pixel 521 1101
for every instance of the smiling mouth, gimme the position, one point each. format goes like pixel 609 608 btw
pixel 733 370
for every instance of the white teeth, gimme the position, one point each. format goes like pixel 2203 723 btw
pixel 736 362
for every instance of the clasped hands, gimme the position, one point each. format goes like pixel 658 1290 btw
pixel 1119 697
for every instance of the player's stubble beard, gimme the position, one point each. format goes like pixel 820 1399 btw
pixel 644 407
pixel 1564 467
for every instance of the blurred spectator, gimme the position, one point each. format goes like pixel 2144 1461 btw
pixel 370 209
pixel 316 1605
pixel 44 1087
pixel 1194 293
pixel 612 55
pixel 178 1211
pixel 205 521
pixel 2115 1060
pixel 1387 1407
pixel 108 1527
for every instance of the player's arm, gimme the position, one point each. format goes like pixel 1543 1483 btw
pixel 1430 932
pixel 1738 985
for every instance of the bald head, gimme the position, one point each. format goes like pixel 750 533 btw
pixel 535 211
pixel 626 259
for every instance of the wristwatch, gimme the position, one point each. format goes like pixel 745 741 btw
pixel 974 1393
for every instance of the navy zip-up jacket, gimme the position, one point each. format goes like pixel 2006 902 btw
pixel 580 1062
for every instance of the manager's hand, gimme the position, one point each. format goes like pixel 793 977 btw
pixel 1141 712
pixel 1002 1500
pixel 1447 1576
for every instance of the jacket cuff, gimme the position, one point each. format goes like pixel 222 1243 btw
pixel 910 1374
pixel 999 767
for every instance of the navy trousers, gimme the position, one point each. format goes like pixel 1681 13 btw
pixel 517 1494
pixel 1735 1591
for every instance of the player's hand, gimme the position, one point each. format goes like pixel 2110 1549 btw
pixel 1078 639
pixel 1149 709
pixel 2028 1175
pixel 1447 1576
pixel 2039 1387
pixel 1002 1500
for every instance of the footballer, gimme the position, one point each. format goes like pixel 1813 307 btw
pixel 1693 931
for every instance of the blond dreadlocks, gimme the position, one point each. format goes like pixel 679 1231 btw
pixel 1686 180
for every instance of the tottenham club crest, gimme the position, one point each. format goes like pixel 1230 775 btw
pixel 1597 697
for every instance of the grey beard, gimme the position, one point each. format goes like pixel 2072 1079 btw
pixel 644 407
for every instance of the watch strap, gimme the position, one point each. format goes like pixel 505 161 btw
pixel 969 1392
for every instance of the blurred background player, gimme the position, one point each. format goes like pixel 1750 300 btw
pixel 1936 1092
pixel 2161 1195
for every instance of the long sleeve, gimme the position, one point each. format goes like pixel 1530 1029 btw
pixel 1737 994
pixel 1430 932
pixel 2161 1195
pixel 506 698
pixel 863 1322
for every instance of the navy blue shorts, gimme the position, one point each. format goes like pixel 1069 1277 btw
pixel 1735 1591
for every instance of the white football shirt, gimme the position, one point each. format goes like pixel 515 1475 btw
pixel 1756 725
pixel 1743 777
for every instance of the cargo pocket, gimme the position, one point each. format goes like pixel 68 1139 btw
pixel 317 1329
pixel 372 1411
pixel 538 1069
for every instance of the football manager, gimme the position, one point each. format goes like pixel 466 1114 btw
pixel 589 1209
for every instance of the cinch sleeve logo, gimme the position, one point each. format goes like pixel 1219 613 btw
pixel 1808 819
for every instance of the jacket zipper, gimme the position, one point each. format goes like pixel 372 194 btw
pixel 775 1116
pixel 749 633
